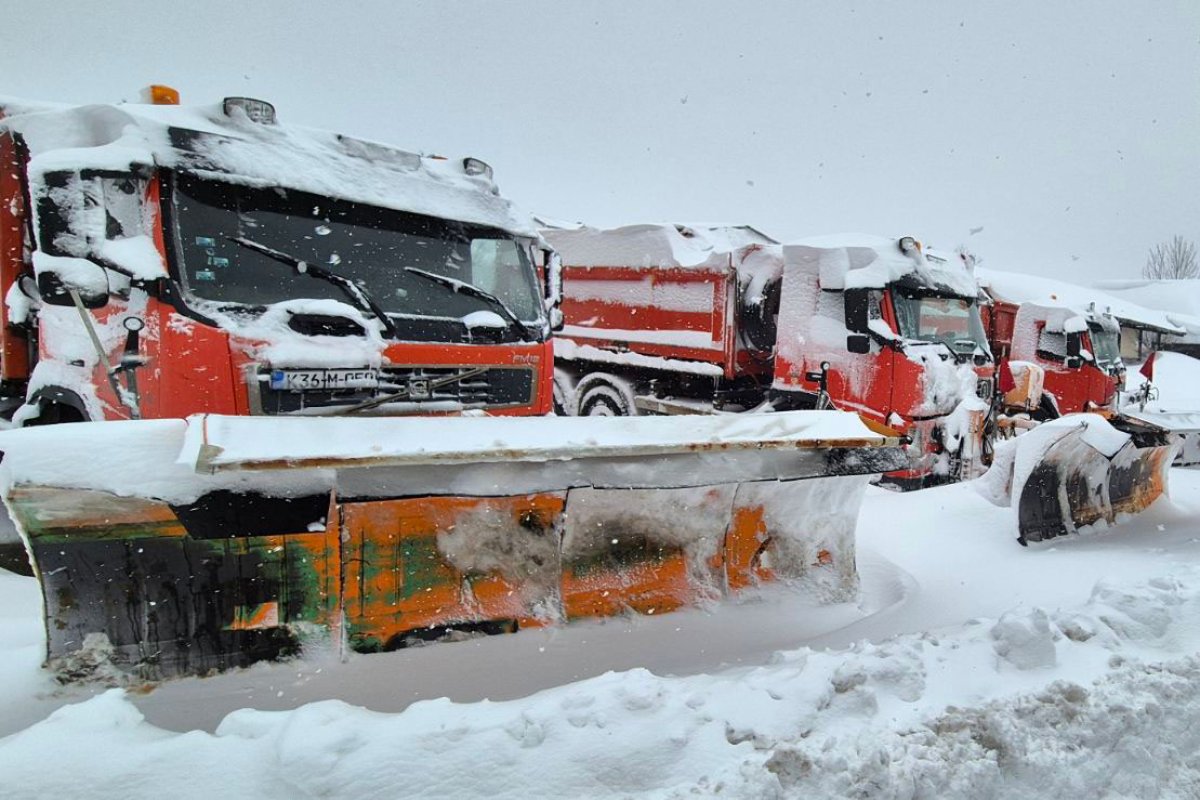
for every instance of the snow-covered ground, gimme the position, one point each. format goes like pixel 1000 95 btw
pixel 971 667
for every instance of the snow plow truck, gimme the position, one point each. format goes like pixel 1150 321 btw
pixel 676 319
pixel 1059 359
pixel 1071 351
pixel 702 319
pixel 309 377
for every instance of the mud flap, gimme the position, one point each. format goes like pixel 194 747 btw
pixel 1077 483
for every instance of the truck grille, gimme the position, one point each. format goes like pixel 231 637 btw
pixel 495 387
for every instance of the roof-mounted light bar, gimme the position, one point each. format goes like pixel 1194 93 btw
pixel 259 111
pixel 473 166
pixel 158 94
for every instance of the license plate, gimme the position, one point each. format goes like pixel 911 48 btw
pixel 308 380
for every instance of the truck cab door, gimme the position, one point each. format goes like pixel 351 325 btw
pixel 863 379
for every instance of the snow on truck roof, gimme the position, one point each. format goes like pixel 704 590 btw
pixel 205 140
pixel 867 261
pixel 653 245
pixel 1018 288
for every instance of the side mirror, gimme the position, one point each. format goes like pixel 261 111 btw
pixel 553 288
pixel 855 301
pixel 858 343
pixel 1073 362
pixel 1074 344
pixel 55 283
pixel 70 215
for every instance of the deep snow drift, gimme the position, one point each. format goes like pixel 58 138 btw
pixel 971 667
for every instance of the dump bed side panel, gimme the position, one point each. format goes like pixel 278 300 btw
pixel 673 313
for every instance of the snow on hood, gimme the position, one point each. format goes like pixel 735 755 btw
pixel 653 245
pixel 274 342
pixel 865 261
pixel 203 140
pixel 1019 288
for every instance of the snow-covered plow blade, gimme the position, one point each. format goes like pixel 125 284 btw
pixel 1185 424
pixel 178 547
pixel 1084 470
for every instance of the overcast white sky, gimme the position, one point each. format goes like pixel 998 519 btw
pixel 1068 131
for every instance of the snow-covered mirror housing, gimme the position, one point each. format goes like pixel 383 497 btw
pixel 70 214
pixel 554 295
pixel 60 276
pixel 99 216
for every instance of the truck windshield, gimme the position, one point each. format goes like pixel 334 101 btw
pixel 1106 345
pixel 953 321
pixel 373 247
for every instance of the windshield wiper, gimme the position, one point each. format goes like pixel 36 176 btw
pixel 356 293
pixel 475 291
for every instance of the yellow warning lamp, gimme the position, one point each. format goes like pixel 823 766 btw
pixel 158 94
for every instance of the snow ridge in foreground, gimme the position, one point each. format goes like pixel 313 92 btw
pixel 1133 734
pixel 979 711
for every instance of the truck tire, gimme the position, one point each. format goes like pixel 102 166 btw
pixel 564 394
pixel 56 414
pixel 602 395
pixel 56 405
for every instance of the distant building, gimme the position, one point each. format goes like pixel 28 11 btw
pixel 1179 300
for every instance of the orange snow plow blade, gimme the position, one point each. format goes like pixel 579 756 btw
pixel 1093 474
pixel 185 547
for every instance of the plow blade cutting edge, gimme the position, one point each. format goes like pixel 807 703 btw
pixel 1093 471
pixel 184 547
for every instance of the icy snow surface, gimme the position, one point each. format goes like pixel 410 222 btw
pixel 970 667
pixel 1177 379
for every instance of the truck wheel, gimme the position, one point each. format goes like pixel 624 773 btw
pixel 600 397
pixel 564 394
pixel 55 414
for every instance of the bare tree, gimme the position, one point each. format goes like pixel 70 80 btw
pixel 1171 260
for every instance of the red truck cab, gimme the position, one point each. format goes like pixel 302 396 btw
pixel 161 261
pixel 707 319
pixel 1077 348
pixel 889 330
